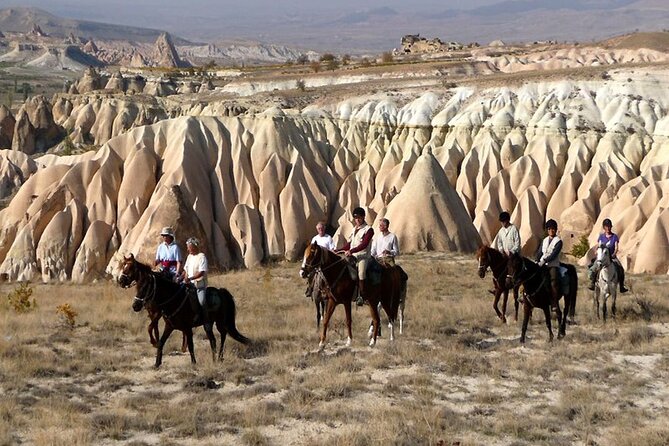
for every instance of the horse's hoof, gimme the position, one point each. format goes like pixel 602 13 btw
pixel 370 332
pixel 348 342
pixel 372 343
pixel 560 335
pixel 321 346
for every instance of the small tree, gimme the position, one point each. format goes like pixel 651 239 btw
pixel 300 85
pixel 345 59
pixel 302 59
pixel 581 248
pixel 315 66
pixel 387 57
pixel 327 57
pixel 332 64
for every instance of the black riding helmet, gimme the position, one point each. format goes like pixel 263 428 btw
pixel 607 223
pixel 551 224
pixel 358 212
pixel 504 216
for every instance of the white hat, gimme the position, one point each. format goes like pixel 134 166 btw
pixel 167 230
pixel 193 241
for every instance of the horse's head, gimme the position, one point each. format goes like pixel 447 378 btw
pixel 313 258
pixel 603 256
pixel 514 268
pixel 483 256
pixel 129 271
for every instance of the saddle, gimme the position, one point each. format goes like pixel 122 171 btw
pixel 212 300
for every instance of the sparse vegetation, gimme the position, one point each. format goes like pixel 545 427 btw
pixel 315 66
pixel 300 85
pixel 581 248
pixel 387 57
pixel 19 298
pixel 455 376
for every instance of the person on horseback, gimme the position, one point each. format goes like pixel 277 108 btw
pixel 549 256
pixel 195 273
pixel 358 248
pixel 324 241
pixel 168 255
pixel 507 240
pixel 385 246
pixel 610 240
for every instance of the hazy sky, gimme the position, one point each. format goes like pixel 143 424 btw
pixel 348 24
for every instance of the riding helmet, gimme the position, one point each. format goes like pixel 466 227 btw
pixel 358 212
pixel 504 217
pixel 551 224
pixel 607 223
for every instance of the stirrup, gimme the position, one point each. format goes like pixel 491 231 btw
pixel 360 301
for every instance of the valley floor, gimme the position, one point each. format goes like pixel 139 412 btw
pixel 456 375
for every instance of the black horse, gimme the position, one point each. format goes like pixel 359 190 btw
pixel 175 303
pixel 538 294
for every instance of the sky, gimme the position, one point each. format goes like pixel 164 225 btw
pixel 368 25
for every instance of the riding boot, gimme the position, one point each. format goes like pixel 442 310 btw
pixel 360 301
pixel 591 284
pixel 621 276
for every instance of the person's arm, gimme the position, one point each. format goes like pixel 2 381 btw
pixel 178 258
pixel 515 234
pixel 157 261
pixel 615 248
pixel 366 239
pixel 331 245
pixel 375 244
pixel 396 246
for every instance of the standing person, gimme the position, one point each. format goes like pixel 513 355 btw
pixel 549 255
pixel 195 272
pixel 324 241
pixel 507 240
pixel 385 246
pixel 168 254
pixel 609 239
pixel 358 247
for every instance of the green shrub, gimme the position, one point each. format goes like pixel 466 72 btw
pixel 19 299
pixel 581 248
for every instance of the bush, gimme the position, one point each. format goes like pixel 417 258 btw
pixel 68 314
pixel 300 85
pixel 315 66
pixel 19 299
pixel 327 57
pixel 581 248
pixel 387 57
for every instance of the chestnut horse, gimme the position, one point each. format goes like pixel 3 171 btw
pixel 340 288
pixel 490 258
pixel 538 294
pixel 176 304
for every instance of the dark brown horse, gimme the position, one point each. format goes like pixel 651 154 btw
pixel 537 284
pixel 176 304
pixel 154 333
pixel 341 287
pixel 495 261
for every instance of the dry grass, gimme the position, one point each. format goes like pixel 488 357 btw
pixel 457 375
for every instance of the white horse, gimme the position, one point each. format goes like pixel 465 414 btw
pixel 607 281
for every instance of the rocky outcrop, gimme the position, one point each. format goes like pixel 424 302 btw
pixel 7 123
pixel 165 54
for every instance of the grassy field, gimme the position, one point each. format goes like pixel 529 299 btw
pixel 457 376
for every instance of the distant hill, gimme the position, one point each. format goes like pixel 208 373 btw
pixel 658 41
pixel 21 20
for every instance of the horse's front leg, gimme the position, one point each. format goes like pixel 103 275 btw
pixel 515 302
pixel 374 310
pixel 326 320
pixel 614 294
pixel 504 302
pixel 595 300
pixel 347 310
pixel 604 309
pixel 547 313
pixel 189 339
pixel 498 293
pixel 163 339
pixel 527 311
pixel 154 333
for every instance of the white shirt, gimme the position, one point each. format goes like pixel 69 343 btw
pixel 549 248
pixel 386 242
pixel 194 264
pixel 324 242
pixel 507 240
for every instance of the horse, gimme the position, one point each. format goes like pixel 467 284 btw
pixel 490 258
pixel 538 294
pixel 176 303
pixel 607 281
pixel 340 287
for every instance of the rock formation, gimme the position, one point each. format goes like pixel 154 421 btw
pixel 165 54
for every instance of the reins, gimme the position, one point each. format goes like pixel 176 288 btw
pixel 522 282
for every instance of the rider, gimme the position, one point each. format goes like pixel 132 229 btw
pixel 549 255
pixel 385 246
pixel 168 254
pixel 358 247
pixel 610 240
pixel 195 272
pixel 507 240
pixel 324 241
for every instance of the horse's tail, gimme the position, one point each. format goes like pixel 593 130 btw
pixel 229 313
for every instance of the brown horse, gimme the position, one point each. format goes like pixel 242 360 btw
pixel 538 293
pixel 176 304
pixel 490 258
pixel 341 288
pixel 154 333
